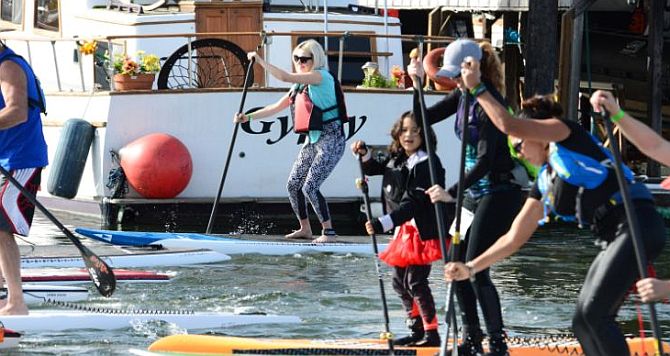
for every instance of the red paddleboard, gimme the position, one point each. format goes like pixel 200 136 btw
pixel 77 275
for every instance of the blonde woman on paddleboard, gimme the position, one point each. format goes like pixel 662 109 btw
pixel 323 147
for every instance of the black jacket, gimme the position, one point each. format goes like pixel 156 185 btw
pixel 408 199
pixel 493 157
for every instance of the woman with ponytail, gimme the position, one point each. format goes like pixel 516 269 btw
pixel 493 193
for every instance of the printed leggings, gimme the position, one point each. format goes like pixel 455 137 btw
pixel 314 164
pixel 411 284
pixel 609 279
pixel 494 214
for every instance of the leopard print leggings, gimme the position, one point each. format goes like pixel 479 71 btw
pixel 314 164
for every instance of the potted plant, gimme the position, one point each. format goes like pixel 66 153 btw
pixel 136 72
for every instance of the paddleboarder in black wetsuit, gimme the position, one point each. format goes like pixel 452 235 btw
pixel 493 193
pixel 654 146
pixel 416 244
pixel 578 183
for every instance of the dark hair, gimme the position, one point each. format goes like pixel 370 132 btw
pixel 395 148
pixel 540 107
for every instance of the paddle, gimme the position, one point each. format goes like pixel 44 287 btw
pixel 101 274
pixel 633 224
pixel 246 84
pixel 439 212
pixel 362 184
pixel 456 239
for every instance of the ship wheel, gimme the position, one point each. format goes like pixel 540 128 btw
pixel 214 63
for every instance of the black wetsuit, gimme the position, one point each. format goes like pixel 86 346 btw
pixel 492 198
pixel 613 271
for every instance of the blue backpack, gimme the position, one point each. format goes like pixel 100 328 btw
pixel 35 102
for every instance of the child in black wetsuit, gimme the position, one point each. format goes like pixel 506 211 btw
pixel 415 245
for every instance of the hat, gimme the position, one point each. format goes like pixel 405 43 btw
pixel 455 54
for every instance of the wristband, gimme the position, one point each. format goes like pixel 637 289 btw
pixel 618 116
pixel 478 90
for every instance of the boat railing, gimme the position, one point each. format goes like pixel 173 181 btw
pixel 122 43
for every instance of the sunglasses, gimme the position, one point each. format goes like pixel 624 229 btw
pixel 517 146
pixel 301 59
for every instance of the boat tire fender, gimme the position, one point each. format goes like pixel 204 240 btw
pixel 67 167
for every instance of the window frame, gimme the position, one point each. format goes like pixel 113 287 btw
pixel 44 31
pixel 14 26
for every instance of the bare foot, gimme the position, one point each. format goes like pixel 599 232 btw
pixel 14 310
pixel 299 234
pixel 324 239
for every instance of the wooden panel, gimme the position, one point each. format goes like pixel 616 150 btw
pixel 233 17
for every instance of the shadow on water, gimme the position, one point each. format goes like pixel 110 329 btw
pixel 336 296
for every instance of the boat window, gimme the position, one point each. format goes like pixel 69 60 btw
pixel 47 15
pixel 357 51
pixel 11 11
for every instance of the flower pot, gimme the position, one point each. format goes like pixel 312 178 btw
pixel 140 81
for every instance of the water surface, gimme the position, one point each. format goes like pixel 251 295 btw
pixel 336 296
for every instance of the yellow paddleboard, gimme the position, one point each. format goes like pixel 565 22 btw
pixel 226 345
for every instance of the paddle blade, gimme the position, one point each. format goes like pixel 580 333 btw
pixel 101 274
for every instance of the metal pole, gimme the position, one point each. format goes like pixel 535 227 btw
pixel 53 50
pixel 325 30
pixel 386 39
pixel 190 58
pixel 110 67
pixel 81 69
pixel 341 55
pixel 30 56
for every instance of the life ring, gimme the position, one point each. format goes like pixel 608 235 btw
pixel 431 63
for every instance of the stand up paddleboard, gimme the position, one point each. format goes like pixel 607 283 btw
pixel 37 294
pixel 222 244
pixel 60 320
pixel 220 345
pixel 66 276
pixel 131 260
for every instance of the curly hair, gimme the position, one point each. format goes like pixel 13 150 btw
pixel 395 148
pixel 540 107
pixel 491 67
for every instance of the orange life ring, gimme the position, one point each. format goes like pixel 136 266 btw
pixel 431 63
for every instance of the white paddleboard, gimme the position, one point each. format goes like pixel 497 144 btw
pixel 60 320
pixel 131 260
pixel 273 248
pixel 35 294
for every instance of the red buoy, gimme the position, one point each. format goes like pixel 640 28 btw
pixel 157 165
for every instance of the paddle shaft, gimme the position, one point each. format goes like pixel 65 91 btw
pixel 633 225
pixel 101 274
pixel 368 214
pixel 215 205
pixel 439 210
pixel 456 239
